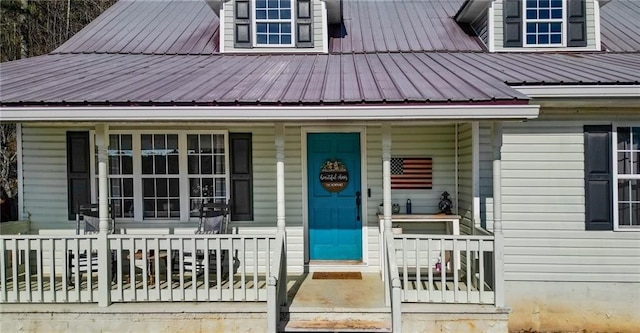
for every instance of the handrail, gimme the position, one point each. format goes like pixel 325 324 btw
pixel 394 287
pixel 277 284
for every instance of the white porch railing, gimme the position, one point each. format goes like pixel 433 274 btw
pixel 429 272
pixel 277 284
pixel 144 268
pixel 393 287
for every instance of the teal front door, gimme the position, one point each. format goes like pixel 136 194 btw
pixel 334 196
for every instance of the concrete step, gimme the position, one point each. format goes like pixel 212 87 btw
pixel 336 321
pixel 348 325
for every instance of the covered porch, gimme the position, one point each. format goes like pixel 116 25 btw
pixel 265 267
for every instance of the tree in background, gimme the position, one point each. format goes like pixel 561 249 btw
pixel 31 28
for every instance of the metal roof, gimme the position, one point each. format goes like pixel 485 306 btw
pixel 149 27
pixel 620 25
pixel 409 25
pixel 373 78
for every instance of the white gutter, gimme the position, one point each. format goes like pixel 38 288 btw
pixel 595 91
pixel 270 113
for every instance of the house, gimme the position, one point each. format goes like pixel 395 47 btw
pixel 308 115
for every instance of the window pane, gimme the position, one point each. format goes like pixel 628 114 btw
pixel 206 165
pixel 193 164
pixel 161 188
pixel 147 164
pixel 115 187
pixel 149 208
pixel 127 187
pixel 623 190
pixel 192 143
pixel 159 141
pixel 148 188
pixel 624 210
pixel 219 169
pixel 635 214
pixel 160 165
pixel 127 165
pixel 221 189
pixel 624 163
pixel 261 14
pixel 128 208
pixel 205 144
pixel 286 39
pixel 273 39
pixel 556 27
pixel 194 187
pixel 145 141
pixel 543 39
pixel 624 138
pixel 114 165
pixel 172 161
pixel 207 183
pixel 273 14
pixel 162 206
pixel 174 187
pixel 218 143
pixel 174 206
pixel 635 133
pixel 261 27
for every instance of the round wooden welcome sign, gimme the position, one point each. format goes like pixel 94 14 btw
pixel 334 176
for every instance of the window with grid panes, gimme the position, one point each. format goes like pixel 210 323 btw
pixel 544 22
pixel 120 173
pixel 160 175
pixel 273 22
pixel 206 166
pixel 627 177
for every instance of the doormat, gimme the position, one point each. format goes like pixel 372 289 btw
pixel 337 276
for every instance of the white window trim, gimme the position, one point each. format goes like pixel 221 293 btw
pixel 525 21
pixel 254 27
pixel 183 175
pixel 616 177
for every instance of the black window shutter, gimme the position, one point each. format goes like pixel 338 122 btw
pixel 304 23
pixel 241 176
pixel 78 171
pixel 512 17
pixel 576 23
pixel 598 178
pixel 242 24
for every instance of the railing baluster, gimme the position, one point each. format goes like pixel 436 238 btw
pixel 27 269
pixel 430 272
pixel 480 287
pixel 468 270
pixel 418 269
pixel 243 270
pixel 40 269
pixel 443 270
pixel 454 268
pixel 3 270
pixel 405 271
pixel 255 267
pixel 207 268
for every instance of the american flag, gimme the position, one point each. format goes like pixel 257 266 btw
pixel 411 173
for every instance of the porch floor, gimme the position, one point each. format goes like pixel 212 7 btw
pixel 307 293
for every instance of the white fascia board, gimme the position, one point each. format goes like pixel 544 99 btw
pixel 268 113
pixel 593 91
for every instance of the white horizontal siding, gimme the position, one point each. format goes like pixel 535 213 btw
pixel 437 142
pixel 465 178
pixel 44 172
pixel 319 30
pixel 486 175
pixel 544 213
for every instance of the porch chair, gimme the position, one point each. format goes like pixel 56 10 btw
pixel 213 219
pixel 87 223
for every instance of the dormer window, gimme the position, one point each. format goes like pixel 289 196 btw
pixel 273 22
pixel 544 22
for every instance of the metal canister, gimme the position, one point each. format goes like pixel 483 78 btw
pixel 408 206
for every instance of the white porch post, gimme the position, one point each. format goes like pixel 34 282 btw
pixel 280 210
pixel 386 176
pixel 104 254
pixel 102 142
pixel 497 216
